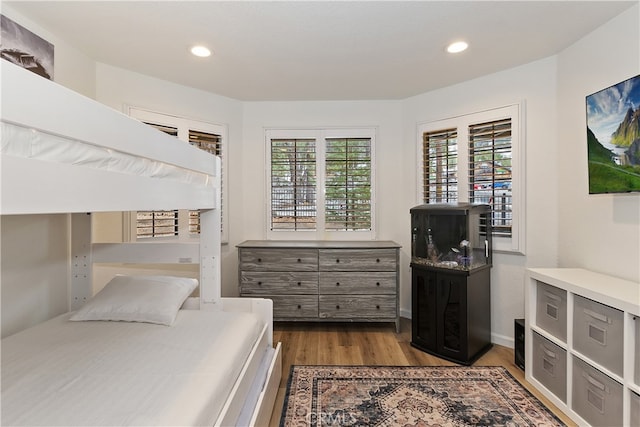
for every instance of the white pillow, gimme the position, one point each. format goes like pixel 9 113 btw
pixel 150 299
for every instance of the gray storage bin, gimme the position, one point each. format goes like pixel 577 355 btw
pixel 598 333
pixel 596 397
pixel 637 353
pixel 550 365
pixel 551 310
pixel 635 409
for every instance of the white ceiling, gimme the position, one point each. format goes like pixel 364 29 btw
pixel 319 50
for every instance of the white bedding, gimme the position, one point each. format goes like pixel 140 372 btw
pixel 120 373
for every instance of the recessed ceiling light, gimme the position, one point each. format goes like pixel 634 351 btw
pixel 200 51
pixel 457 47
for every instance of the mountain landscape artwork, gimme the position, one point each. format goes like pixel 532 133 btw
pixel 613 138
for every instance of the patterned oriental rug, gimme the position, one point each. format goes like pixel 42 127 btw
pixel 410 396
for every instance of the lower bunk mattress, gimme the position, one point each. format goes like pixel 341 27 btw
pixel 97 373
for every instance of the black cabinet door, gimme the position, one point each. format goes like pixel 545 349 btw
pixel 451 313
pixel 451 319
pixel 424 312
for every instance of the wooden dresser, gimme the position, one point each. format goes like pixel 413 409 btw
pixel 341 281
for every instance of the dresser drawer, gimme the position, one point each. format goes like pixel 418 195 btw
pixel 357 260
pixel 551 310
pixel 278 259
pixel 357 307
pixel 635 409
pixel 596 397
pixel 294 306
pixel 358 283
pixel 274 283
pixel 549 363
pixel 598 332
pixel 636 369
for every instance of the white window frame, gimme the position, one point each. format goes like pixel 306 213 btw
pixel 320 135
pixel 516 111
pixel 184 125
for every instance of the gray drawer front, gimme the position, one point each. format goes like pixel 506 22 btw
pixel 637 354
pixel 598 332
pixel 357 259
pixel 635 409
pixel 549 364
pixel 294 306
pixel 357 307
pixel 551 310
pixel 596 397
pixel 274 283
pixel 358 283
pixel 278 259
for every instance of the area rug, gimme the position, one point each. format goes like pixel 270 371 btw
pixel 410 396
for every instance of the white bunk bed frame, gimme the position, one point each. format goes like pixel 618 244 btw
pixel 64 153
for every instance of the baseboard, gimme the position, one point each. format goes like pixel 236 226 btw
pixel 503 340
pixel 405 313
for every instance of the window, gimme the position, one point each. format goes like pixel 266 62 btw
pixel 183 224
pixel 440 157
pixel 348 184
pixel 477 158
pixel 321 181
pixel 293 184
pixel 490 178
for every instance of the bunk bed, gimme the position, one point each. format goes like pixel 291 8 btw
pixel 208 359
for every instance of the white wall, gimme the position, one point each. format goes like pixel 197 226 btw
pixel 34 248
pixel 534 83
pixel 34 269
pixel 597 232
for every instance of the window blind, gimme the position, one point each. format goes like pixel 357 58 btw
pixel 293 184
pixel 158 223
pixel 210 143
pixel 490 166
pixel 440 166
pixel 348 184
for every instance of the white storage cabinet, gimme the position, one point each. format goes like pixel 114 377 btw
pixel 582 344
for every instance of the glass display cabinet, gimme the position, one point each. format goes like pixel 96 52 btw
pixel 450 275
pixel 454 237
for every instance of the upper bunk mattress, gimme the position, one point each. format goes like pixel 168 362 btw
pixel 121 373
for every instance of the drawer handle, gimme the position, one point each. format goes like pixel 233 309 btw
pixel 337 283
pixel 378 307
pixel 299 260
pixel 552 296
pixel 597 316
pixel 377 259
pixel 259 259
pixel 377 283
pixel 299 283
pixel 259 283
pixel 595 382
pixel 337 260
pixel 299 306
pixel 337 307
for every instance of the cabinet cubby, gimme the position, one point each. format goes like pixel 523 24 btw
pixel 582 339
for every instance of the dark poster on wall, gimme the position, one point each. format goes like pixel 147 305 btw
pixel 26 49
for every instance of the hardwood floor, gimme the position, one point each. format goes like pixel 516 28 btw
pixel 370 344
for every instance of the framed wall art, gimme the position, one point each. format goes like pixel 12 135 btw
pixel 26 49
